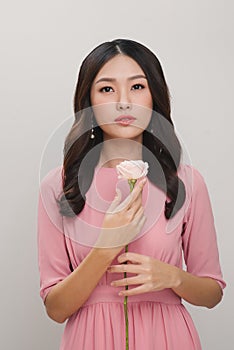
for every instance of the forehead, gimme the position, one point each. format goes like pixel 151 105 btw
pixel 120 66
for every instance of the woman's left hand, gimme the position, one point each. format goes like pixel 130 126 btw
pixel 151 274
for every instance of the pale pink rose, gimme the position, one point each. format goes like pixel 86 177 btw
pixel 132 169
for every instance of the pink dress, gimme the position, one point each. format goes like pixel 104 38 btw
pixel 157 320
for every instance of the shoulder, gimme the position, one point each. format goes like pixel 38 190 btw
pixel 193 179
pixel 51 183
pixel 197 195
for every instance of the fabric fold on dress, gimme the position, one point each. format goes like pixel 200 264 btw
pixel 157 320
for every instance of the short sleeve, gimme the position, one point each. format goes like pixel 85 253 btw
pixel 199 237
pixel 53 259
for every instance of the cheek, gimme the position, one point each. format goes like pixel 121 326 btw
pixel 145 98
pixel 93 97
pixel 147 101
pixel 145 120
pixel 104 112
pixel 143 109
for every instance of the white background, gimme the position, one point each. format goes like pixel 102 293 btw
pixel 42 46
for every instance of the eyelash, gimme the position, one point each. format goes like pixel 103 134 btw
pixel 105 88
pixel 140 87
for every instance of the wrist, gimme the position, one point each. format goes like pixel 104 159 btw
pixel 178 278
pixel 107 254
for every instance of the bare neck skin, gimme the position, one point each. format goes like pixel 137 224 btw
pixel 115 151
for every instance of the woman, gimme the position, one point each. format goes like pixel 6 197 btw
pixel 87 216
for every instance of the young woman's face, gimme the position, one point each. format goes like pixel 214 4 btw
pixel 121 99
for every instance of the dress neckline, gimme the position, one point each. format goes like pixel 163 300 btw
pixel 105 168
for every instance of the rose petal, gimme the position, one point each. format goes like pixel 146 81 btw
pixel 132 169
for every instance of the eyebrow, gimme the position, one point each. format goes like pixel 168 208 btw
pixel 138 76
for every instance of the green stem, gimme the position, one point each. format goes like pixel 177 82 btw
pixel 131 184
pixel 126 308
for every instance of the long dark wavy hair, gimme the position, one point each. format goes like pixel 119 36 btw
pixel 161 149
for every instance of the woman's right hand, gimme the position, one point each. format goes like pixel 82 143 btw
pixel 123 220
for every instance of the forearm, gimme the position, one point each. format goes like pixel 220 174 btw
pixel 201 291
pixel 70 294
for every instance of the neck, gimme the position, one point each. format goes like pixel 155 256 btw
pixel 114 151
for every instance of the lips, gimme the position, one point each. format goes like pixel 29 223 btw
pixel 125 119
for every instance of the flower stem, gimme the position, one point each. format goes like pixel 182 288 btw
pixel 126 308
pixel 131 183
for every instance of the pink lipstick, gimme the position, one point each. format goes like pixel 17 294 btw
pixel 125 120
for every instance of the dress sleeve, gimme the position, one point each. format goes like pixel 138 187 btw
pixel 53 259
pixel 199 237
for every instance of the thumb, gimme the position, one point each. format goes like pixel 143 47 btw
pixel 116 200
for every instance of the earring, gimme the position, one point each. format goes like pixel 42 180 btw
pixel 92 136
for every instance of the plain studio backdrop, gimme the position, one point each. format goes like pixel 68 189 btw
pixel 42 46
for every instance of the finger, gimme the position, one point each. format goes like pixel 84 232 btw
pixel 136 194
pixel 130 214
pixel 129 268
pixel 136 211
pixel 134 291
pixel 144 288
pixel 139 220
pixel 139 213
pixel 134 228
pixel 135 206
pixel 129 281
pixel 133 258
pixel 130 199
pixel 116 201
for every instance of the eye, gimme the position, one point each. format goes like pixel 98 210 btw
pixel 106 89
pixel 137 87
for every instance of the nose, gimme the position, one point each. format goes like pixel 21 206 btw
pixel 123 106
pixel 123 102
